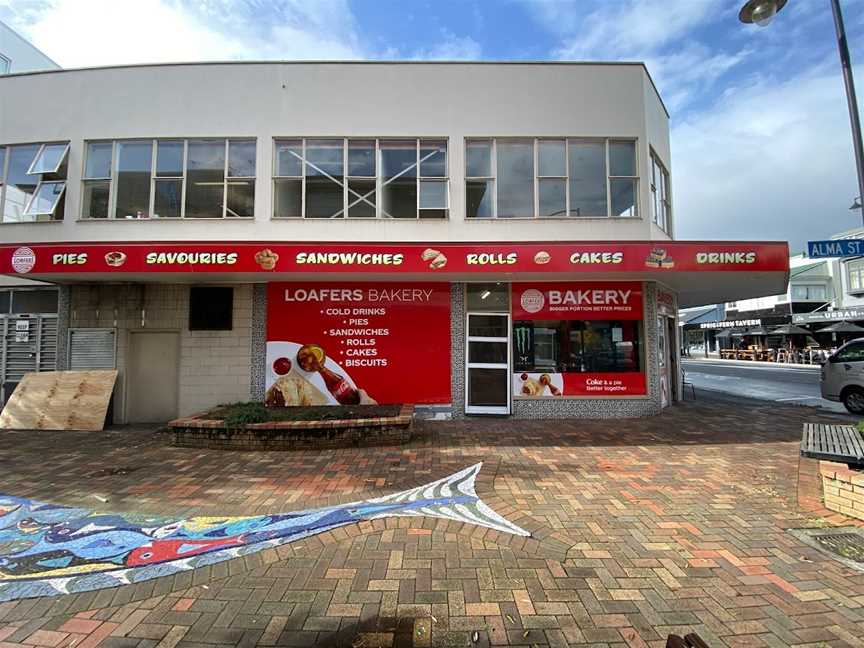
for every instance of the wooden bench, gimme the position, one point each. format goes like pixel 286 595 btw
pixel 840 443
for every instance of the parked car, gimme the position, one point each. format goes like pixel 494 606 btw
pixel 842 376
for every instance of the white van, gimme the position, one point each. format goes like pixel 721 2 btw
pixel 842 376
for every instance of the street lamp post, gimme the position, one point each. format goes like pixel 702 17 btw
pixel 761 12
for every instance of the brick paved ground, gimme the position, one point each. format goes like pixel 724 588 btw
pixel 641 528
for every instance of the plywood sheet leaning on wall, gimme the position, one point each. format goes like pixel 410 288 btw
pixel 60 400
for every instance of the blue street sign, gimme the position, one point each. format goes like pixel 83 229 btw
pixel 838 248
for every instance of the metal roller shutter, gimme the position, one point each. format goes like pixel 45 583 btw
pixel 92 348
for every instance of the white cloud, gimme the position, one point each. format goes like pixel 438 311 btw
pixel 79 33
pixel 451 48
pixel 658 32
pixel 767 161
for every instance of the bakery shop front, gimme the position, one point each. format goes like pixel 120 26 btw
pixel 535 330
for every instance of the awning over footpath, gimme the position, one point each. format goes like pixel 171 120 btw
pixel 700 272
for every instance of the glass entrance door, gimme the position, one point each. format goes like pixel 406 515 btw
pixel 487 370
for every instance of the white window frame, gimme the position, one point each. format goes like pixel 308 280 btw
pixel 5 64
pixel 663 220
pixel 568 141
pixel 41 152
pixel 856 267
pixel 53 209
pixel 4 172
pixel 351 198
pixel 154 142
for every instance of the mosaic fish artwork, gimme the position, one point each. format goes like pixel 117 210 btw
pixel 48 550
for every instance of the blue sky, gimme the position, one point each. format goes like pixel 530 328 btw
pixel 760 133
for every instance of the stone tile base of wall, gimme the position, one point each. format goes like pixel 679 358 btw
pixel 843 489
pixel 240 439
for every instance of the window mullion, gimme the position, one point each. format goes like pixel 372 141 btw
pixel 3 175
pixel 608 184
pixel 417 179
pixel 225 181
pixel 112 190
pixel 303 178
pixel 183 179
pixel 152 202
pixel 494 165
pixel 536 181
pixel 379 174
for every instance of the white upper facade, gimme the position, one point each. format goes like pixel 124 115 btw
pixel 283 151
pixel 17 55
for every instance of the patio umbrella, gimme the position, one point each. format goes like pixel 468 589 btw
pixel 727 333
pixel 790 329
pixel 842 327
pixel 761 331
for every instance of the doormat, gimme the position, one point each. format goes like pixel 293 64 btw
pixel 47 550
pixel 843 544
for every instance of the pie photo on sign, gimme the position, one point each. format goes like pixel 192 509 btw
pixel 115 259
pixel 293 390
pixel 542 257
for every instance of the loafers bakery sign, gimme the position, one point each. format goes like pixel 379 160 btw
pixel 437 259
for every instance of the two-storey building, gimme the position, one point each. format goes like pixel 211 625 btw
pixel 474 238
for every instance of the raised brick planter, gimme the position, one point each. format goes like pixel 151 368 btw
pixel 843 489
pixel 198 432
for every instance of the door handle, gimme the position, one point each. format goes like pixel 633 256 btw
pixel 847 367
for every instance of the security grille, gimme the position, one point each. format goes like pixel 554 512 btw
pixel 29 343
pixel 92 348
pixel 847 545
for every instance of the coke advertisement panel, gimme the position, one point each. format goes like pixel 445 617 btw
pixel 357 343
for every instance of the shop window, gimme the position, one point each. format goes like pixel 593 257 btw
pixel 574 346
pixel 661 199
pixel 211 308
pixel 33 301
pixel 490 297
pixel 135 179
pixel 808 292
pixel 5 301
pixel 33 182
pixel 360 178
pixel 551 178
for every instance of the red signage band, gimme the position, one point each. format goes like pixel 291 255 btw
pixel 397 258
pixel 583 300
pixel 354 343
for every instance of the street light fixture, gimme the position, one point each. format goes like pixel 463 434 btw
pixel 762 12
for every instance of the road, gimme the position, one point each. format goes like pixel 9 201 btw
pixel 783 383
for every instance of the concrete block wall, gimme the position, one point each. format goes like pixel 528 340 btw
pixel 215 366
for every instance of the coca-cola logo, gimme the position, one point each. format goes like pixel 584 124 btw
pixel 23 260
pixel 532 301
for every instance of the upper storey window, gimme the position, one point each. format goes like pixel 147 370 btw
pixel 661 201
pixel 360 178
pixel 32 182
pixel 195 178
pixel 550 178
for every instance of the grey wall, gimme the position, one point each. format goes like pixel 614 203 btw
pixel 270 100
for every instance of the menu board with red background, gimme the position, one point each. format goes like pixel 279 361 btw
pixel 389 341
pixel 618 302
